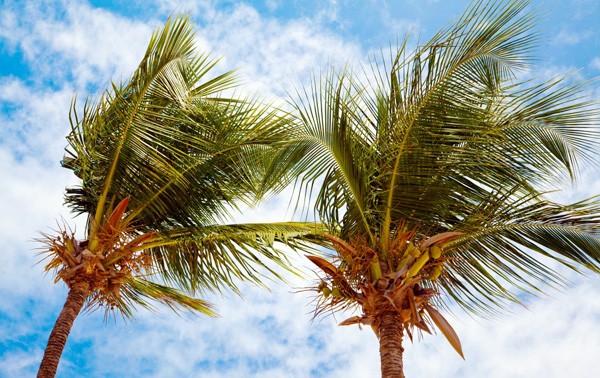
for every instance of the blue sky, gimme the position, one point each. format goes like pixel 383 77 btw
pixel 51 50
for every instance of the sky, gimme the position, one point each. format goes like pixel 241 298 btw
pixel 53 50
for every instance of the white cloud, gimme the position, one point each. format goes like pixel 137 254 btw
pixel 595 63
pixel 266 334
pixel 72 42
pixel 272 5
pixel 37 122
pixel 398 27
pixel 272 54
pixel 570 37
pixel 32 196
pixel 18 364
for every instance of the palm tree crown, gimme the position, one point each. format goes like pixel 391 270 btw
pixel 435 171
pixel 163 159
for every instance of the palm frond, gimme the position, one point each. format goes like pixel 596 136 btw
pixel 184 155
pixel 440 81
pixel 168 140
pixel 329 143
pixel 510 243
pixel 207 257
pixel 138 291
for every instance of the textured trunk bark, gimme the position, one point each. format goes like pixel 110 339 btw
pixel 390 345
pixel 58 338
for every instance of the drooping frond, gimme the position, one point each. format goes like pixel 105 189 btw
pixel 331 143
pixel 125 133
pixel 508 243
pixel 465 127
pixel 139 291
pixel 210 257
pixel 183 156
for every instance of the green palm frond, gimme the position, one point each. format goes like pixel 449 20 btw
pixel 328 142
pixel 125 133
pixel 138 291
pixel 510 241
pixel 208 257
pixel 168 140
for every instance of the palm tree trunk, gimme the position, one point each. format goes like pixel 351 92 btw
pixel 390 345
pixel 58 338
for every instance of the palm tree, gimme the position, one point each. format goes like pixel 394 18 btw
pixel 163 159
pixel 434 170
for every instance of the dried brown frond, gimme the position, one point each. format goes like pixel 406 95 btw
pixel 106 268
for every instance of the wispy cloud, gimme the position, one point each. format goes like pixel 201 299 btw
pixel 272 54
pixel 571 37
pixel 73 42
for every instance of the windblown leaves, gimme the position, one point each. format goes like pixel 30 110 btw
pixel 211 257
pixel 169 140
pixel 447 138
pixel 184 155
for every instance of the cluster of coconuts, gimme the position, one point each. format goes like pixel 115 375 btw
pixel 323 288
pixel 422 256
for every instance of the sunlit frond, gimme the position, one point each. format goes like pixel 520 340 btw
pixel 139 291
pixel 210 257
